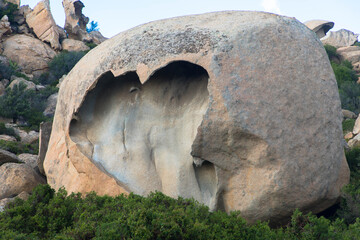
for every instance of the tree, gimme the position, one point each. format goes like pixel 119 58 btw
pixel 93 27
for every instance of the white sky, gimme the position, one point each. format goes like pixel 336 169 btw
pixel 114 16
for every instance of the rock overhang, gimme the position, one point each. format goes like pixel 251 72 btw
pixel 258 68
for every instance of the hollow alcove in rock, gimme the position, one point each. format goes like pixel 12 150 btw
pixel 141 134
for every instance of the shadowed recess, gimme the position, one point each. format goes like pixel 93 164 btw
pixel 141 134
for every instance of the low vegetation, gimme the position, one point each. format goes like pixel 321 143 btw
pixel 27 105
pixel 61 64
pixel 346 79
pixel 8 10
pixel 19 147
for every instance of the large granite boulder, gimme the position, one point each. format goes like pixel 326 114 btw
pixel 224 107
pixel 17 81
pixel 31 54
pixel 45 131
pixel 50 105
pixel 75 20
pixel 16 178
pixel 351 53
pixel 320 27
pixel 43 24
pixel 340 38
pixel 6 157
pixel 73 45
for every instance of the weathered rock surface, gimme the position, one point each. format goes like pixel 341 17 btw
pixel 31 54
pixel 4 26
pixel 348 114
pixel 29 159
pixel 7 138
pixel 27 137
pixel 74 45
pixel 43 24
pixel 6 157
pixel 356 129
pixel 340 38
pixel 19 80
pixel 206 111
pixel 351 54
pixel 97 37
pixel 50 105
pixel 16 178
pixel 75 21
pixel 45 131
pixel 62 33
pixel 320 27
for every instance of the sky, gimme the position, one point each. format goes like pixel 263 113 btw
pixel 115 16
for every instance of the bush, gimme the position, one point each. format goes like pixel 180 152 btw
pixel 8 131
pixel 343 73
pixel 8 10
pixel 350 96
pixel 50 215
pixel 26 104
pixel 93 27
pixel 331 51
pixel 19 147
pixel 61 64
pixel 348 125
pixel 5 71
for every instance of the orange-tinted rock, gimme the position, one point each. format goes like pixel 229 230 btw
pixel 223 107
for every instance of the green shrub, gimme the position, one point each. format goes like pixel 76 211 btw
pixel 50 215
pixel 331 51
pixel 350 96
pixel 91 45
pixel 343 73
pixel 357 44
pixel 350 203
pixel 19 147
pixel 8 10
pixel 348 125
pixel 5 71
pixel 8 131
pixel 61 64
pixel 26 104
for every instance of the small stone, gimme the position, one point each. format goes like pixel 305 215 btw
pixel 349 135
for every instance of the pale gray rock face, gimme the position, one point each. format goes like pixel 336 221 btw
pixel 351 53
pixel 45 131
pixel 320 27
pixel 6 157
pixel 97 37
pixel 223 107
pixel 29 159
pixel 7 138
pixel 50 105
pixel 74 45
pixel 75 21
pixel 31 54
pixel 16 178
pixel 340 38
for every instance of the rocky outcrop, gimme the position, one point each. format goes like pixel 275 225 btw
pixel 4 26
pixel 205 111
pixel 74 45
pixel 320 27
pixel 7 138
pixel 351 54
pixel 348 114
pixel 19 80
pixel 31 54
pixel 340 38
pixel 27 137
pixel 97 37
pixel 43 24
pixel 7 157
pixel 75 21
pixel 50 105
pixel 45 131
pixel 29 159
pixel 16 178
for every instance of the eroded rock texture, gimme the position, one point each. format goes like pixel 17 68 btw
pixel 43 24
pixel 239 110
pixel 75 22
